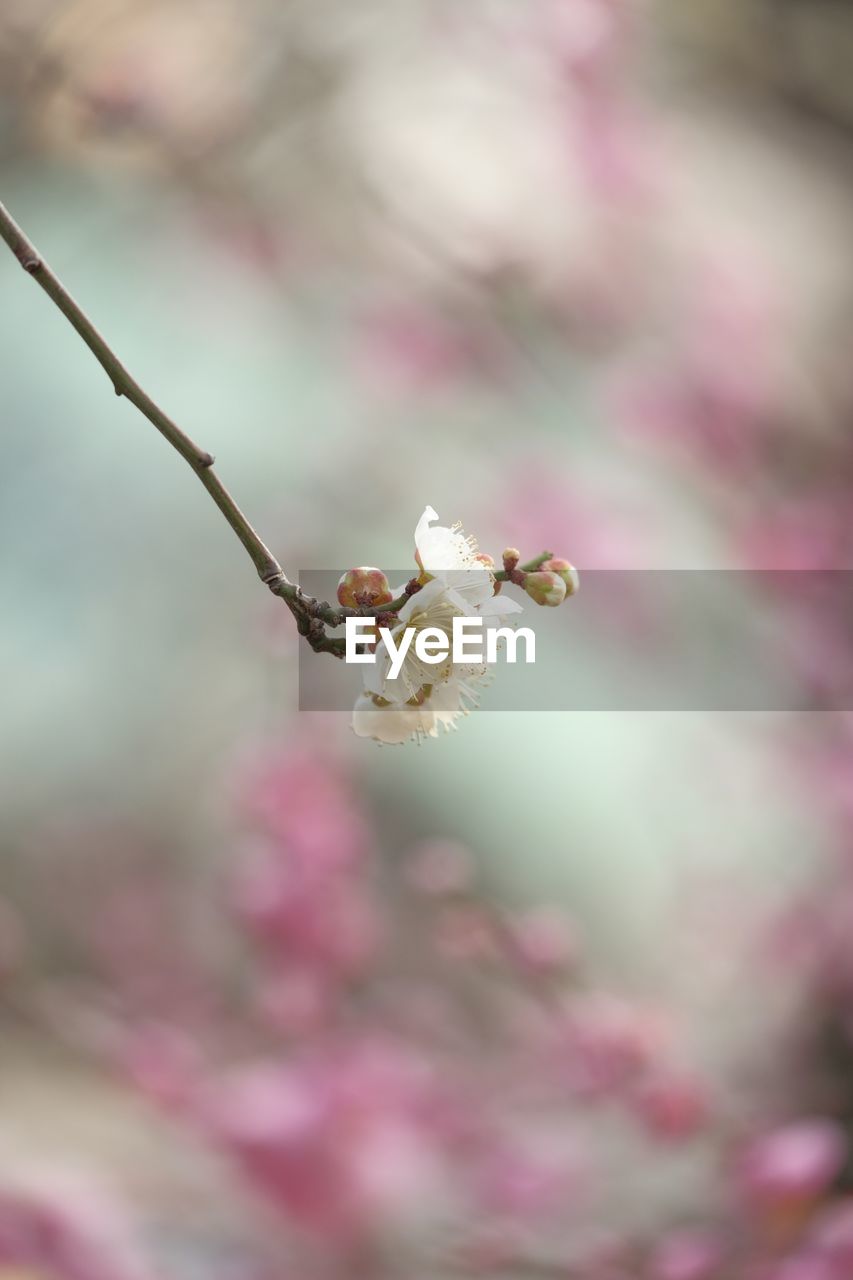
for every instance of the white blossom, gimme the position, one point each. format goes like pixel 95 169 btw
pixel 427 696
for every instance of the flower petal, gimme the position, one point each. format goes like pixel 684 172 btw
pixel 500 606
pixel 392 724
pixel 440 549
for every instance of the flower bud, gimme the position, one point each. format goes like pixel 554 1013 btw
pixel 566 571
pixel 364 587
pixel 511 558
pixel 673 1106
pixel 485 559
pixel 790 1168
pixel 545 588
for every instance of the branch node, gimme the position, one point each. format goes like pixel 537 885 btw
pixel 276 579
pixel 305 609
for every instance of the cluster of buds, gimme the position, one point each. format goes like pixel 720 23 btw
pixel 548 580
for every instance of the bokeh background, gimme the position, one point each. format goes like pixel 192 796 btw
pixel 562 993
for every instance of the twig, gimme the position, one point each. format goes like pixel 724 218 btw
pixel 531 566
pixel 269 570
pixel 312 616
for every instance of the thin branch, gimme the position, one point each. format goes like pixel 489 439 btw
pixel 501 575
pixel 312 616
pixel 269 570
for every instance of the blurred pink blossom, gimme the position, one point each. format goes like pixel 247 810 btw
pixel 673 1106
pixel 304 800
pixel 38 1239
pixel 409 348
pixel 521 1184
pixel 792 1165
pixel 606 1044
pixel 832 1236
pixel 719 393
pixel 163 1061
pixel 340 1139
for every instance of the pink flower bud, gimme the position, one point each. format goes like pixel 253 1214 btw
pixel 545 588
pixel 673 1107
pixel 485 559
pixel 566 571
pixel 363 588
pixel 793 1165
